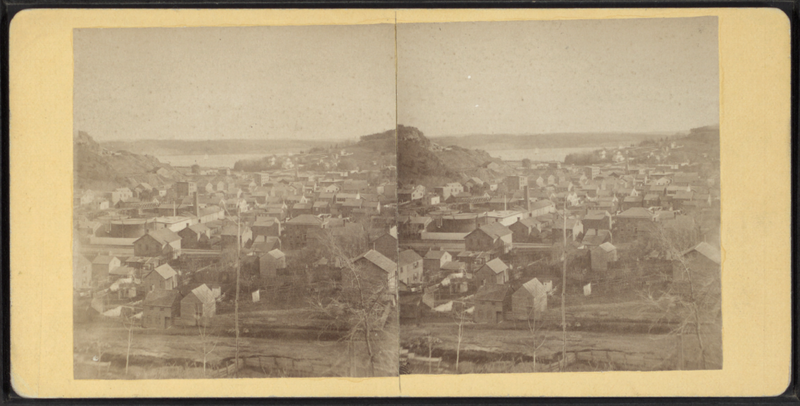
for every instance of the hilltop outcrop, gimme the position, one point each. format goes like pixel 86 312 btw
pixel 422 161
pixel 98 168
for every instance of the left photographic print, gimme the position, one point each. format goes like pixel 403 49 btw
pixel 234 202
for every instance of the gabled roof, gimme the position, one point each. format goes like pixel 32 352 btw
pixel 534 287
pixel 379 260
pixel 407 257
pixel 165 271
pixel 707 250
pixel 529 222
pixel 494 230
pixel 161 298
pixel 496 265
pixel 163 236
pixel 636 213
pixel 305 219
pixel 203 293
pixel 276 253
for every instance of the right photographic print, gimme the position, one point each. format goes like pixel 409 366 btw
pixel 559 196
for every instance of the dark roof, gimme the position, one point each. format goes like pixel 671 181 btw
pixel 636 212
pixel 494 230
pixel 379 260
pixel 162 298
pixel 408 257
pixel 305 219
pixel 492 292
pixel 529 222
pixel 199 228
pixel 163 236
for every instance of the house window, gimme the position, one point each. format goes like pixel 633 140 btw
pixel 198 310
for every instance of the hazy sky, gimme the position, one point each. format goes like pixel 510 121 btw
pixel 251 82
pixel 558 76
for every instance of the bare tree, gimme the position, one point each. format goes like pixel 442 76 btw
pixel 129 322
pixel 460 323
pixel 208 345
pixel 692 302
pixel 533 328
pixel 361 308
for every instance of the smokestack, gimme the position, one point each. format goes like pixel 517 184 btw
pixel 196 206
pixel 527 199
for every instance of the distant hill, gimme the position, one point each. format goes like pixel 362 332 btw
pixel 96 167
pixel 419 160
pixel 370 152
pixel 212 147
pixel 553 140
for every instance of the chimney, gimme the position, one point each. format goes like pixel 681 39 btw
pixel 196 206
pixel 527 199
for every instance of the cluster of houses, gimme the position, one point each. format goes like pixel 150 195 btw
pixel 158 251
pixel 487 243
pixel 481 242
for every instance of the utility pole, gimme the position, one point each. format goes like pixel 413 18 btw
pixel 563 294
pixel 236 300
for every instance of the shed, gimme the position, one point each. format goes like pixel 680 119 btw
pixel 530 299
pixel 492 303
pixel 198 306
pixel 161 308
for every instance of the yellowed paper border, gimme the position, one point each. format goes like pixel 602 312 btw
pixel 755 171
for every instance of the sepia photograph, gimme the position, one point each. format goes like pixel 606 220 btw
pixel 375 200
pixel 402 203
pixel 559 196
pixel 234 202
